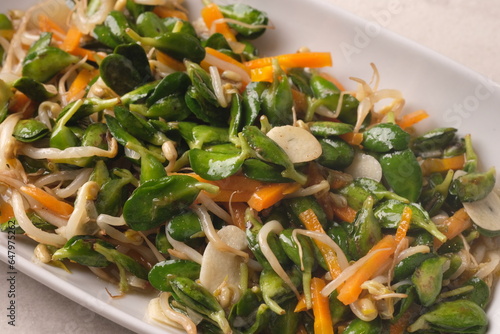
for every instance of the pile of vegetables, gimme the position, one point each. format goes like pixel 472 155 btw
pixel 254 193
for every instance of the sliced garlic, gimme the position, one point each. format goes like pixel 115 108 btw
pixel 298 143
pixel 365 165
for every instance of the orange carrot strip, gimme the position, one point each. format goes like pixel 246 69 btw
pixel 233 182
pixel 239 188
pixel 234 196
pixel 22 104
pixel 436 165
pixel 351 289
pixel 323 323
pixel 226 58
pixel 353 138
pixel 77 88
pixel 72 39
pixel 239 183
pixel 6 212
pixel 268 195
pixel 345 213
pixel 237 211
pixel 412 118
pixel 264 73
pixel 214 20
pixel 333 80
pixel 454 225
pixel 301 59
pixel 170 62
pixel 81 52
pixel 404 224
pixel 167 12
pixel 236 188
pixel 46 24
pixel 301 304
pixel 47 200
pixel 312 223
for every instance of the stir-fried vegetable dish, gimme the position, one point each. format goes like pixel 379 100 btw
pixel 157 148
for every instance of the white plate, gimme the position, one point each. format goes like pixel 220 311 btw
pixel 454 95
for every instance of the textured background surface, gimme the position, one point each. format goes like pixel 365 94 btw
pixel 466 31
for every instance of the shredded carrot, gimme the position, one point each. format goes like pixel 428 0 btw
pixel 268 195
pixel 78 86
pixel 333 80
pixel 167 12
pixel 312 223
pixel 228 188
pixel 231 195
pixel 437 165
pixel 50 202
pixel 353 138
pixel 345 213
pixel 233 182
pixel 264 73
pixel 301 304
pixel 214 20
pixel 237 211
pixel 323 323
pixel 300 59
pixel 225 58
pixel 404 224
pixel 81 52
pixel 454 225
pixel 170 62
pixel 46 24
pixel 351 289
pixel 20 103
pixel 412 118
pixel 6 212
pixel 258 195
pixel 72 39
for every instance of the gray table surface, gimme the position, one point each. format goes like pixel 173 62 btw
pixel 466 31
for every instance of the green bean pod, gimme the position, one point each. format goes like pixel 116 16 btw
pixel 33 89
pixel 157 276
pixel 80 249
pixel 402 172
pixel 266 149
pixel 156 201
pixel 459 316
pixel 385 137
pixel 199 299
pixel 428 279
